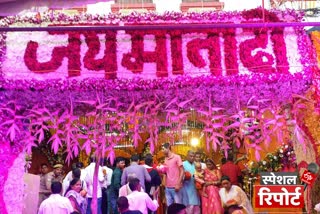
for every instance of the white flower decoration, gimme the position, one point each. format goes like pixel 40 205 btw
pixel 264 162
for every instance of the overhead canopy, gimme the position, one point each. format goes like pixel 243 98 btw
pixel 13 7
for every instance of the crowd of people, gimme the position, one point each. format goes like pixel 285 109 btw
pixel 190 186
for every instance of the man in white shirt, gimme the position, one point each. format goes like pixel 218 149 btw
pixel 56 204
pixel 107 174
pixel 125 189
pixel 123 206
pixel 89 182
pixel 141 200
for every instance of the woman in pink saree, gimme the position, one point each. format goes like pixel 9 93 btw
pixel 211 202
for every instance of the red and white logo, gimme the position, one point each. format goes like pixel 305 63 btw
pixel 308 177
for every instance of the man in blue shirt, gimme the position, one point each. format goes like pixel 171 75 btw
pixel 190 195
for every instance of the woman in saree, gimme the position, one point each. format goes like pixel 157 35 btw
pixel 211 203
pixel 76 196
pixel 234 199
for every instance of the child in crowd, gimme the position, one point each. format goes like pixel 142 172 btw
pixel 199 179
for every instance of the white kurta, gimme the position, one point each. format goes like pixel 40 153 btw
pixel 56 204
pixel 89 180
pixel 141 201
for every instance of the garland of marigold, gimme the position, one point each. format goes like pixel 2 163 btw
pixel 311 120
pixel 315 36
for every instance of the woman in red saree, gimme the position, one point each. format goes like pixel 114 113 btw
pixel 211 202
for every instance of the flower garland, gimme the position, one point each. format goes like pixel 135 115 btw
pixel 283 159
pixel 54 92
pixel 134 60
pixel 315 36
pixel 152 17
pixel 263 83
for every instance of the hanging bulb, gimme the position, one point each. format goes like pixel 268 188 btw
pixel 194 142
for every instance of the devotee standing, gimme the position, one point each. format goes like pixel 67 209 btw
pixel 173 175
pixel 197 158
pixel 89 182
pixel 55 203
pixel 233 198
pixel 116 184
pixel 125 189
pixel 43 191
pixel 231 170
pixel 190 196
pixel 155 182
pixel 134 168
pixel 76 196
pixel 199 179
pixel 80 166
pixel 107 174
pixel 76 173
pixel 140 200
pixel 55 175
pixel 211 202
pixel 68 178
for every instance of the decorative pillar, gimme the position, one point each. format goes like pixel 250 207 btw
pixel 11 178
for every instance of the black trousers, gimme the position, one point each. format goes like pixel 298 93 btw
pixel 104 204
